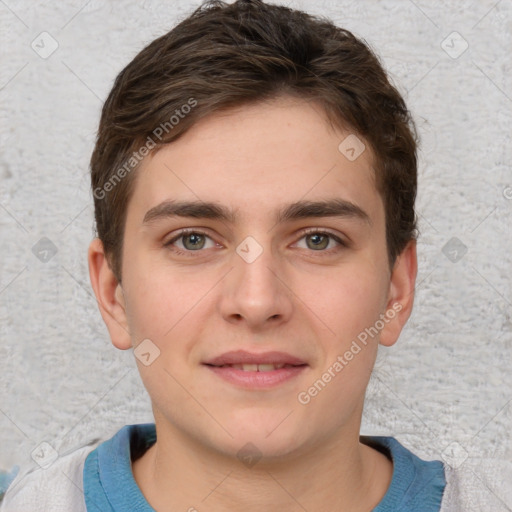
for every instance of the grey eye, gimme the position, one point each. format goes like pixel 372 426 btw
pixel 196 241
pixel 318 241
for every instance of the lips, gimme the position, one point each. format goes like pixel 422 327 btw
pixel 250 361
pixel 253 371
pixel 257 367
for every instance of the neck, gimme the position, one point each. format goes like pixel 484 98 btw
pixel 338 474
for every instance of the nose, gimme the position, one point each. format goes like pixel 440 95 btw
pixel 255 291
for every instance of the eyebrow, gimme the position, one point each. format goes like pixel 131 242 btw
pixel 294 211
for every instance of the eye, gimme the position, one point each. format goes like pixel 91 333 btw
pixel 190 241
pixel 319 241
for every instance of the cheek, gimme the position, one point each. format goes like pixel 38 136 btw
pixel 165 302
pixel 148 309
pixel 164 310
pixel 350 305
pixel 350 300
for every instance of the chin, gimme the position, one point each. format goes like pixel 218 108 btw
pixel 266 435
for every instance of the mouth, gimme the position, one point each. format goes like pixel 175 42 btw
pixel 257 367
pixel 256 371
pixel 244 358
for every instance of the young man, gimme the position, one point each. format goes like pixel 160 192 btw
pixel 254 180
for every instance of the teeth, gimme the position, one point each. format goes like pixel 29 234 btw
pixel 267 367
pixel 247 367
pixel 257 367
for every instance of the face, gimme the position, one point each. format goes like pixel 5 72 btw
pixel 281 248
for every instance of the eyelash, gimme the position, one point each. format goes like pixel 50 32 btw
pixel 310 231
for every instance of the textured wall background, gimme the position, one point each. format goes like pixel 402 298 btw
pixel 444 390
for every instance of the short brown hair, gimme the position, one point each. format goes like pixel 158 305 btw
pixel 227 55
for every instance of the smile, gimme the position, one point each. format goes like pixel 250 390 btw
pixel 256 367
pixel 257 376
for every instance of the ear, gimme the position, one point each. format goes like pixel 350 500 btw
pixel 401 294
pixel 109 295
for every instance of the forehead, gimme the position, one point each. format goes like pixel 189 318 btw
pixel 256 158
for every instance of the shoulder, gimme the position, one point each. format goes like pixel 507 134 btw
pixel 479 484
pixel 58 488
pixel 416 484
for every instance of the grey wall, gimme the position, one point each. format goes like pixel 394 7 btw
pixel 444 390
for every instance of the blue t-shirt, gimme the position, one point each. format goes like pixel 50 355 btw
pixel 109 485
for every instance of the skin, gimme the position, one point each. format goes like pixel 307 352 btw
pixel 295 297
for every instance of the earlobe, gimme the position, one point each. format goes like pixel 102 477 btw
pixel 401 294
pixel 110 296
